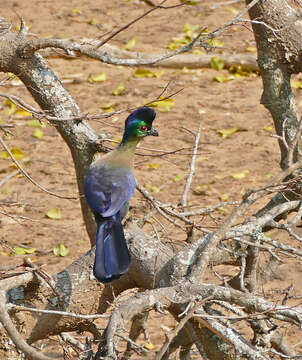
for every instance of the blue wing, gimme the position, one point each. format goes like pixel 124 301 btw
pixel 108 189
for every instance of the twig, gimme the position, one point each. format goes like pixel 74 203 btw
pixel 55 312
pixel 179 326
pixel 9 176
pixel 29 178
pixel 192 169
pixel 122 28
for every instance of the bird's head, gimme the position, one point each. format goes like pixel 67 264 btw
pixel 139 124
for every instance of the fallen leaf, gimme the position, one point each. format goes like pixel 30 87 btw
pixel 215 42
pixel 11 108
pixel 130 44
pixel 120 90
pixel 98 77
pixel 108 107
pixel 38 133
pixel 60 250
pixel 251 49
pixel 268 128
pixel 227 132
pixel 17 153
pixel 20 250
pixel 217 63
pixel 240 175
pixel 201 190
pixel 54 214
pixel 163 104
pixel 149 346
pixel 176 178
pixel 296 84
pixel 153 166
pixel 141 73
pixel 224 197
pixel 223 79
pixel 35 123
pixel 93 21
pixel 23 113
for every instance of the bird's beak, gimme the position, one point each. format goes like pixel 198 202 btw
pixel 152 132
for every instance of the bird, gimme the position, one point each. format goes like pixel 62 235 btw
pixel 108 186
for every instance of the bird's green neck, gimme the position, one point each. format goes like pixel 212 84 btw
pixel 129 145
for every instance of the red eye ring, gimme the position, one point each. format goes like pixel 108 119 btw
pixel 143 128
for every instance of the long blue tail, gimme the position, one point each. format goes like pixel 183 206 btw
pixel 112 258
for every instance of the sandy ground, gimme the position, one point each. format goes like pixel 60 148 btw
pixel 252 151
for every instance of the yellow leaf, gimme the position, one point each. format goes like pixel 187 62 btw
pixel 176 178
pixel 163 104
pixel 240 71
pixel 155 189
pixel 224 197
pixel 93 21
pixel 11 107
pixel 190 2
pixel 60 250
pixel 201 190
pixel 268 128
pixel 222 79
pixel 197 52
pixel 108 107
pixel 54 214
pixel 227 132
pixel 98 77
pixel 35 123
pixel 217 63
pixel 130 44
pixel 215 43
pixel 17 153
pixel 120 90
pixel 153 166
pixel 251 49
pixel 23 113
pixel 149 346
pixel 240 175
pixel 141 72
pixel 19 250
pixel 296 84
pixel 232 10
pixel 38 133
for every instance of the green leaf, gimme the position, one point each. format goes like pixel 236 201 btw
pixel 120 90
pixel 217 63
pixel 227 132
pixel 141 73
pixel 190 2
pixel 60 250
pixel 35 123
pixel 162 104
pixel 176 178
pixel 222 79
pixel 54 214
pixel 98 77
pixel 130 44
pixel 215 43
pixel 19 250
pixel 38 133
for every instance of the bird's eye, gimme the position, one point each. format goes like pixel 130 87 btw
pixel 143 128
